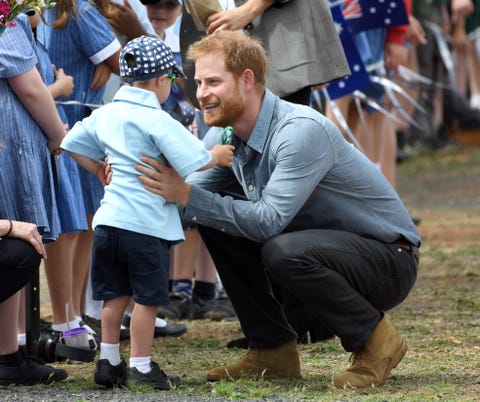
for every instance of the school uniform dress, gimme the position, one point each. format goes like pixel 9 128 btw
pixel 68 189
pixel 86 41
pixel 26 181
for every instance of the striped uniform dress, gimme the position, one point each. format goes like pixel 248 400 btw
pixel 86 41
pixel 26 181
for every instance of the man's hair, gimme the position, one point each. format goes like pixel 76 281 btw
pixel 239 50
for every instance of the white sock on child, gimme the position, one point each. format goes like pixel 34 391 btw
pixel 65 326
pixel 142 364
pixel 111 352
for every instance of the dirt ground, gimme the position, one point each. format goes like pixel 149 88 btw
pixel 443 190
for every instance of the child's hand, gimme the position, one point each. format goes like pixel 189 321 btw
pixel 64 81
pixel 222 155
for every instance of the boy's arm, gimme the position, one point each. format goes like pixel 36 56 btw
pixel 95 167
pixel 222 155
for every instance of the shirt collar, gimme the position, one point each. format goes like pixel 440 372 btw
pixel 260 131
pixel 138 96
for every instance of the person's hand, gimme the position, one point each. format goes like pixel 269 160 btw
pixel 231 20
pixel 460 9
pixel 102 174
pixel 395 55
pixel 415 34
pixel 28 232
pixel 108 172
pixel 163 180
pixel 64 82
pixel 101 75
pixel 53 145
pixel 125 21
pixel 222 155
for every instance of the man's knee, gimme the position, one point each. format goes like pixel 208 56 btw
pixel 277 256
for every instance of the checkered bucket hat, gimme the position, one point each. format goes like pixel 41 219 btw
pixel 146 57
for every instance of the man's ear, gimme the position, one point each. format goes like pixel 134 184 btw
pixel 248 77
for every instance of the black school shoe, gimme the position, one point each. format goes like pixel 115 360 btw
pixel 110 376
pixel 155 378
pixel 30 371
pixel 172 330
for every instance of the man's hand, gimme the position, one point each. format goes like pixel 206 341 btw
pixel 163 181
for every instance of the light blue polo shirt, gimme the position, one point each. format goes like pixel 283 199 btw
pixel 131 126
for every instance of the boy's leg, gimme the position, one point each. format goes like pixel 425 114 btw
pixel 142 327
pixel 112 315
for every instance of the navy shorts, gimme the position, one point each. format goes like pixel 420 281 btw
pixel 130 263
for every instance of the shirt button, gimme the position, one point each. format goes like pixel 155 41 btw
pixel 222 229
pixel 250 188
pixel 194 219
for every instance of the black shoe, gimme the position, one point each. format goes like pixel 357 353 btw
pixel 216 309
pixel 241 343
pixel 110 376
pixel 173 330
pixel 180 307
pixel 155 378
pixel 30 371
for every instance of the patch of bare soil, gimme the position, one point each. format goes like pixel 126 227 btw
pixel 443 190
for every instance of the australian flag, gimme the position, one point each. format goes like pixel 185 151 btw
pixel 359 78
pixel 362 15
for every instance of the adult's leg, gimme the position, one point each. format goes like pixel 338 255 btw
pixel 19 264
pixel 238 262
pixel 344 279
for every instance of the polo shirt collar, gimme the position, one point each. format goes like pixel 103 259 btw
pixel 137 96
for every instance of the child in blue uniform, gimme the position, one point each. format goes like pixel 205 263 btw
pixel 134 228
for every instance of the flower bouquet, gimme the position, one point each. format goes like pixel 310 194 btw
pixel 10 9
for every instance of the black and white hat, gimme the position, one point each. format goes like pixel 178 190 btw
pixel 146 57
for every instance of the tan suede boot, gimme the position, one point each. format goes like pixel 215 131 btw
pixel 371 365
pixel 281 362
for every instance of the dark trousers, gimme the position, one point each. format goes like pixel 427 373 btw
pixel 19 264
pixel 344 281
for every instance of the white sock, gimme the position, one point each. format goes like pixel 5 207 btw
pixel 22 339
pixel 111 352
pixel 65 326
pixel 159 323
pixel 475 101
pixel 142 364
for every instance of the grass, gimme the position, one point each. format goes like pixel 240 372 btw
pixel 440 319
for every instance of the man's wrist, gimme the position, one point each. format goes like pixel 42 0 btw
pixel 185 194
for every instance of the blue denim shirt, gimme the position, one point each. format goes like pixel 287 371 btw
pixel 297 172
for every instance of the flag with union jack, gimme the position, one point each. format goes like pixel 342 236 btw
pixel 359 78
pixel 362 15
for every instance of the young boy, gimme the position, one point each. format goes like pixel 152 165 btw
pixel 134 228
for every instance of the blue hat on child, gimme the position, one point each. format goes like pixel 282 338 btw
pixel 146 57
